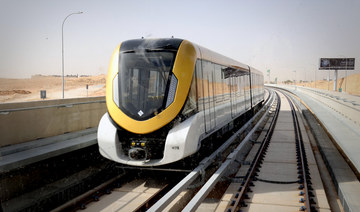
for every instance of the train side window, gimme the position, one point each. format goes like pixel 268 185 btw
pixel 193 92
pixel 190 107
pixel 226 84
pixel 207 69
pixel 191 102
pixel 208 83
pixel 199 86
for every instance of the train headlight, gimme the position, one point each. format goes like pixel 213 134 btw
pixel 172 90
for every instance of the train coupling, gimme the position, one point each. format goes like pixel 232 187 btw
pixel 138 150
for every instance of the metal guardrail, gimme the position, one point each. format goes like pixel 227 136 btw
pixel 206 162
pixel 230 160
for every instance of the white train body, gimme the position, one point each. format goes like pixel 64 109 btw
pixel 166 96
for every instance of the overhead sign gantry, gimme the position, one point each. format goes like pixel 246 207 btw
pixel 336 64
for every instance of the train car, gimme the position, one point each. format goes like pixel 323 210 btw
pixel 165 97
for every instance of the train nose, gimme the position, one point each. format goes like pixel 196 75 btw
pixel 137 154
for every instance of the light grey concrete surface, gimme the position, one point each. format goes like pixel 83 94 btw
pixel 28 121
pixel 344 131
pixel 279 164
pixel 340 120
pixel 20 155
pixel 43 142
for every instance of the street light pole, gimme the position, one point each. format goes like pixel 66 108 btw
pixel 62 47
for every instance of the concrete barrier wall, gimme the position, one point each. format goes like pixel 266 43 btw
pixel 29 122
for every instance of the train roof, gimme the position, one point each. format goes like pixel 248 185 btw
pixel 174 44
pixel 207 54
pixel 159 43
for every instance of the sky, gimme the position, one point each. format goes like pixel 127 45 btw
pixel 287 37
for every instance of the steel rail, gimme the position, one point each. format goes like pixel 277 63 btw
pixel 240 196
pixel 150 201
pixel 206 162
pixel 81 201
pixel 302 155
pixel 230 160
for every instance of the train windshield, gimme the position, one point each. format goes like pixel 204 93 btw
pixel 143 78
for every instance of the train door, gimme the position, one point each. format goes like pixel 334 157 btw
pixel 251 89
pixel 233 89
pixel 256 89
pixel 200 88
pixel 218 93
pixel 238 94
pixel 208 87
pixel 247 91
pixel 243 83
pixel 213 96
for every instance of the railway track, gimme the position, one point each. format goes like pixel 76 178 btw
pixel 134 190
pixel 283 175
pixel 139 194
pixel 270 166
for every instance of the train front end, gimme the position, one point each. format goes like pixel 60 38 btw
pixel 147 86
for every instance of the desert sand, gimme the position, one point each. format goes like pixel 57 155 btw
pixel 350 84
pixel 19 90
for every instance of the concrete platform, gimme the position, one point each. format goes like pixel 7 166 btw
pixel 346 183
pixel 19 155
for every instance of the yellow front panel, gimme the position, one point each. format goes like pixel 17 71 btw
pixel 183 70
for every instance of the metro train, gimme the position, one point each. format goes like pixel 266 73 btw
pixel 166 97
